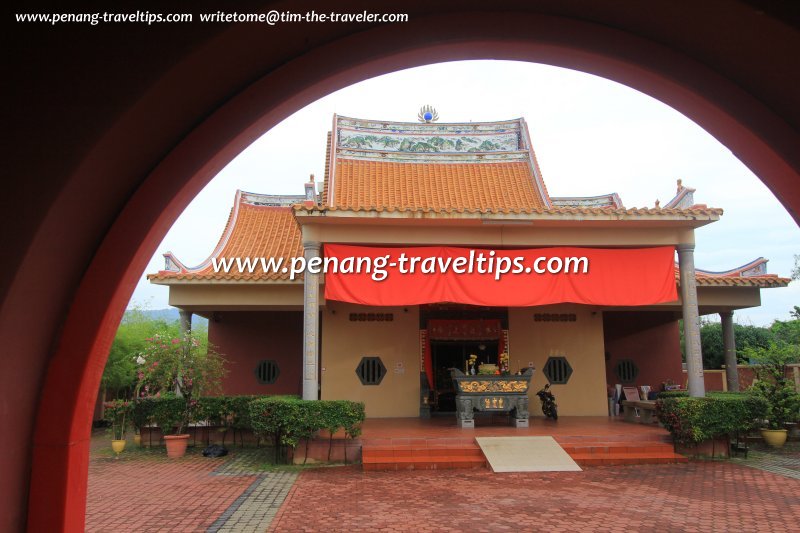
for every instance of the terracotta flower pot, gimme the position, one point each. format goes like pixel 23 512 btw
pixel 774 437
pixel 176 445
pixel 118 446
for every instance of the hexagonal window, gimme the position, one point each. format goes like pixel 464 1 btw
pixel 267 372
pixel 627 371
pixel 370 370
pixel 557 370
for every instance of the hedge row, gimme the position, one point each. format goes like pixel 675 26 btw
pixel 692 420
pixel 287 420
pixel 284 420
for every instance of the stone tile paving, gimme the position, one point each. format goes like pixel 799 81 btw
pixel 143 490
pixel 784 461
pixel 698 496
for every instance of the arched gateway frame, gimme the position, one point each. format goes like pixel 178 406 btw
pixel 160 174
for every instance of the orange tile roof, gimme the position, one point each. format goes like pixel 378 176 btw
pixel 765 281
pixel 691 212
pixel 365 184
pixel 252 231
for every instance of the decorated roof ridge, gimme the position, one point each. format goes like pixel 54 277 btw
pixel 684 197
pixel 611 200
pixel 756 267
pixel 538 179
pixel 752 274
pixel 464 143
pixel 254 231
pixel 691 211
pixel 172 265
pixel 385 124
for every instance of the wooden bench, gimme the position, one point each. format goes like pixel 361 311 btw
pixel 640 411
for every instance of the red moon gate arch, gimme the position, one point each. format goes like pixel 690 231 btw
pixel 112 130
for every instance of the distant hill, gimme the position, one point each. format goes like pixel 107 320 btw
pixel 170 314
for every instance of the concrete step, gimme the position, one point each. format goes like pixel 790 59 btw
pixel 628 458
pixel 427 453
pixel 436 462
pixel 617 447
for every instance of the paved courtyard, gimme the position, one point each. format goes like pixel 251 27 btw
pixel 145 491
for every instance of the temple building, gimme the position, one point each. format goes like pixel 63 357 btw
pixel 596 299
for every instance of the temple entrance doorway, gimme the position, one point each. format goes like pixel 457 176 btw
pixel 454 354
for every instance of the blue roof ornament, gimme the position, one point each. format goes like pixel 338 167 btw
pixel 427 114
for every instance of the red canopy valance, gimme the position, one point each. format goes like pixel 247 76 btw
pixel 618 277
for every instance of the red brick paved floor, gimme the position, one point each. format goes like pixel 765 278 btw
pixel 698 496
pixel 148 492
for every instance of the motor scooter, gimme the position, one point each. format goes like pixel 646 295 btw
pixel 549 407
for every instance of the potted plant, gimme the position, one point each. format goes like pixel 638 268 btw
pixel 177 370
pixel 173 414
pixel 116 413
pixel 783 400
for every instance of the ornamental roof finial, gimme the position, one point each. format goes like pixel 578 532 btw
pixel 427 114
pixel 680 185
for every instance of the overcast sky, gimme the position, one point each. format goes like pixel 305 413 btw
pixel 591 136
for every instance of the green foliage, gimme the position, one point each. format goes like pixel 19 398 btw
pixel 142 412
pixel 672 394
pixel 171 414
pixel 117 413
pixel 692 420
pixel 783 401
pixel 287 420
pixel 746 337
pixel 119 374
pixel 180 366
pixel 786 331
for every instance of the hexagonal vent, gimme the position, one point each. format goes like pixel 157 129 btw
pixel 370 370
pixel 557 370
pixel 627 371
pixel 267 372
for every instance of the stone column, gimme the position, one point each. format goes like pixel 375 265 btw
pixel 310 325
pixel 185 321
pixel 691 321
pixel 729 344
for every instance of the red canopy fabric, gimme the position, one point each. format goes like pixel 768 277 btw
pixel 595 276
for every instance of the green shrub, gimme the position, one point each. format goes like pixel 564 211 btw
pixel 117 414
pixel 287 420
pixel 672 394
pixel 783 400
pixel 143 409
pixel 692 420
pixel 170 414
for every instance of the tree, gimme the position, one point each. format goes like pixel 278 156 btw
pixel 119 375
pixel 779 391
pixel 180 367
pixel 787 331
pixel 746 337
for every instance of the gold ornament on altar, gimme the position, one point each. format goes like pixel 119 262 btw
pixel 492 386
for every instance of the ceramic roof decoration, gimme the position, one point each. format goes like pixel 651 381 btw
pixel 452 171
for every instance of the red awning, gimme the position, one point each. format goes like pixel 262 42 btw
pixel 516 278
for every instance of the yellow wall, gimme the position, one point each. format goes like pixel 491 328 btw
pixel 581 342
pixel 344 343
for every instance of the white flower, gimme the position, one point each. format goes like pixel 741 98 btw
pixel 140 360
